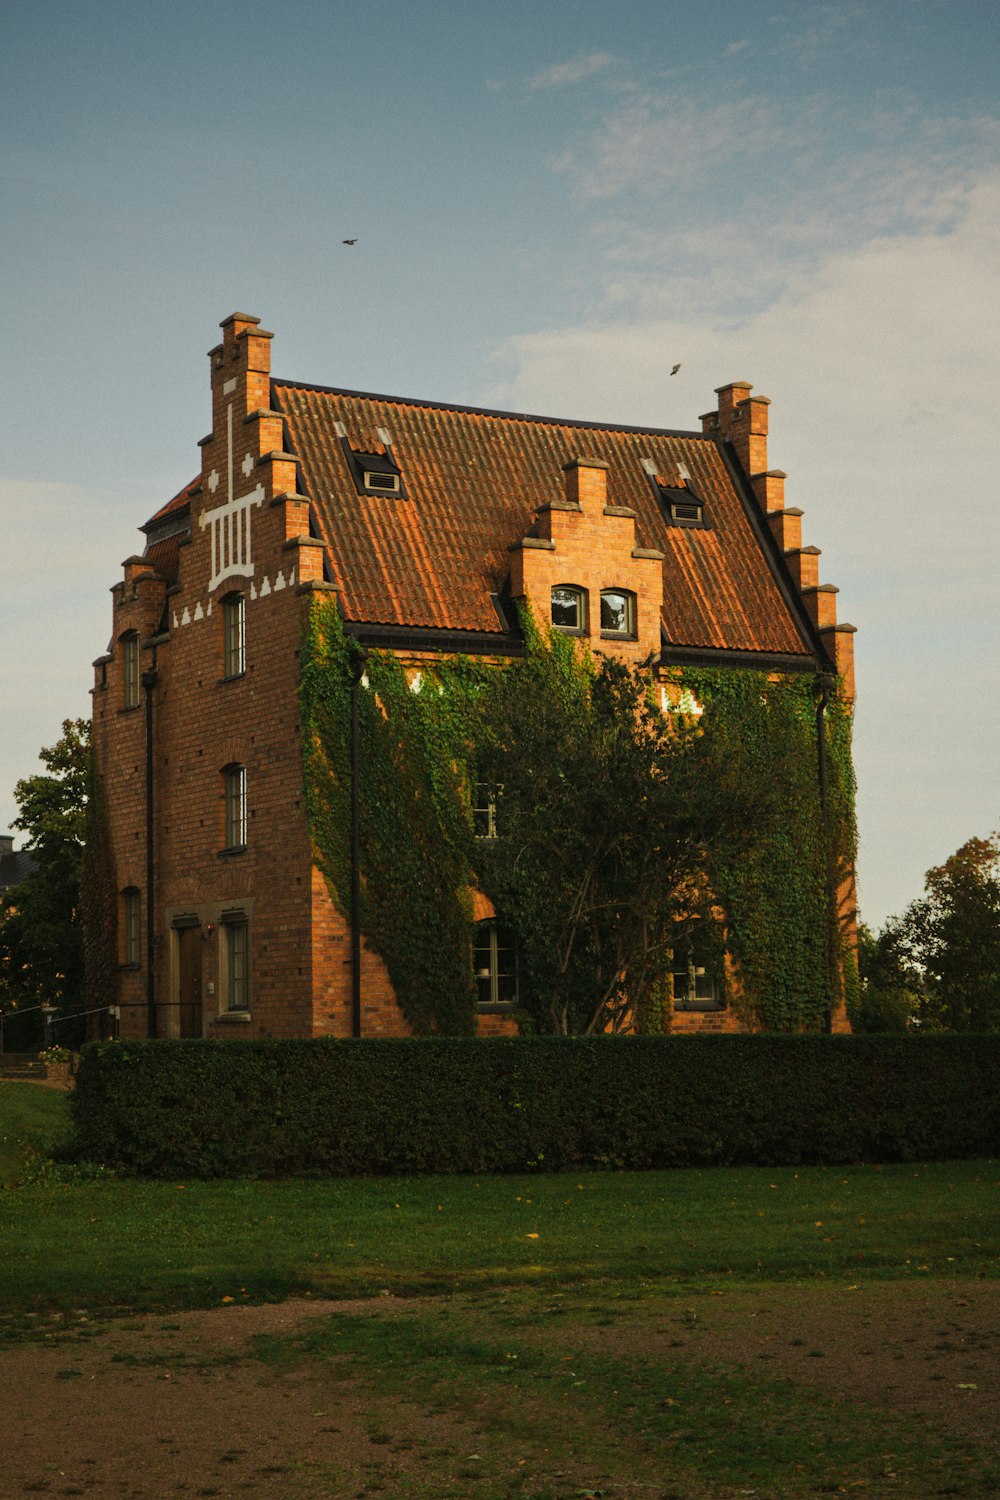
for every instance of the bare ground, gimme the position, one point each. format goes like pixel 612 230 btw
pixel 171 1405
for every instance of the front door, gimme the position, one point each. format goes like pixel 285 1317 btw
pixel 189 977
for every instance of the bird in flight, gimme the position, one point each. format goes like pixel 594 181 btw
pixel 675 369
pixel 348 242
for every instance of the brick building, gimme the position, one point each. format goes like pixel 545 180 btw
pixel 425 521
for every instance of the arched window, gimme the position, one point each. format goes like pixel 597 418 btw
pixel 234 646
pixel 235 785
pixel 569 607
pixel 617 612
pixel 494 961
pixel 130 669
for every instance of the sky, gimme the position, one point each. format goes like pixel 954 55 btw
pixel 554 202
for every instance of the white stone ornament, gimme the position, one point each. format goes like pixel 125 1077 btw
pixel 248 464
pixel 213 481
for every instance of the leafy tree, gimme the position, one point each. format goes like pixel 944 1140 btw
pixel 891 992
pixel 41 950
pixel 952 935
pixel 608 809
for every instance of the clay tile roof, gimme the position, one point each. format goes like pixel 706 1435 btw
pixel 178 503
pixel 474 480
pixel 166 530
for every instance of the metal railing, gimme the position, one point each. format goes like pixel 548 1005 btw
pixel 51 1018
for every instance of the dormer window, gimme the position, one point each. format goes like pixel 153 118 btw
pixel 373 473
pixel 569 607
pixel 680 502
pixel 618 613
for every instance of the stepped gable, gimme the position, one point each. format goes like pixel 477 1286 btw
pixel 472 481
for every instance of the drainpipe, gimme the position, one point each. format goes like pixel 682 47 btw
pixel 825 684
pixel 357 672
pixel 149 683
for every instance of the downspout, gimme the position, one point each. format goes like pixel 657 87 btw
pixel 825 683
pixel 149 683
pixel 357 672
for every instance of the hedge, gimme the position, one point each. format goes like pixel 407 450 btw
pixel 461 1104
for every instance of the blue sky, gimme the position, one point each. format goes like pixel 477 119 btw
pixel 554 203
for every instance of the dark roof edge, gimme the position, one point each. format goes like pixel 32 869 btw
pixel 751 661
pixel 427 638
pixel 487 411
pixel 779 568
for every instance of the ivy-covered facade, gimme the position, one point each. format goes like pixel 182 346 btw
pixel 424 718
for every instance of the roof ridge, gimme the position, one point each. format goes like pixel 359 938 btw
pixel 488 411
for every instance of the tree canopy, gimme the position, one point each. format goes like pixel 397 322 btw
pixel 41 947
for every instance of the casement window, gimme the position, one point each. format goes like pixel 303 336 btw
pixel 234 645
pixel 484 809
pixel 618 613
pixel 130 670
pixel 236 959
pixel 494 961
pixel 235 794
pixel 569 607
pixel 697 985
pixel 130 927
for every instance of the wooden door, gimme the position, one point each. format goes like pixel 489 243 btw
pixel 189 976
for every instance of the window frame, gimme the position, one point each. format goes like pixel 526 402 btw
pixel 234 624
pixel 131 675
pixel 486 799
pixel 131 909
pixel 500 939
pixel 685 960
pixel 583 608
pixel 630 631
pixel 234 808
pixel 235 986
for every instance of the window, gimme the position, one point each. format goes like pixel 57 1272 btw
pixel 569 607
pixel 234 655
pixel 235 778
pixel 494 959
pixel 697 981
pixel 130 670
pixel 686 510
pixel 484 809
pixel 130 927
pixel 236 945
pixel 382 480
pixel 617 612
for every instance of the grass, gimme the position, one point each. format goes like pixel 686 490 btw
pixel 534 1268
pixel 156 1245
pixel 636 1424
pixel 33 1122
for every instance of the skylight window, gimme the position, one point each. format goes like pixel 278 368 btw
pixel 679 501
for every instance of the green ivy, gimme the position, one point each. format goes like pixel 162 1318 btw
pixel 777 893
pixel 780 899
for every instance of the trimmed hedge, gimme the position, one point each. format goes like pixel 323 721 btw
pixel 463 1104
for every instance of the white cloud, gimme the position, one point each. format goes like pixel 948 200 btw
pixel 883 367
pixel 574 70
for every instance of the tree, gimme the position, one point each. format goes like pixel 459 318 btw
pixel 41 948
pixel 607 811
pixel 891 991
pixel 952 936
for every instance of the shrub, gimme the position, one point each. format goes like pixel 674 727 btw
pixel 460 1104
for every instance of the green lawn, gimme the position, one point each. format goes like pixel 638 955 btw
pixel 535 1264
pixel 33 1120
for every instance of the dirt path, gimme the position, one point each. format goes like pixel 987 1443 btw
pixel 171 1405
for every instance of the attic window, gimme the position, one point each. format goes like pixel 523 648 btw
pixel 686 510
pixel 382 479
pixel 680 501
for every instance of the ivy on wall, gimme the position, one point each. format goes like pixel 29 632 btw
pixel 739 827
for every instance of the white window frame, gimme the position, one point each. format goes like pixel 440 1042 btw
pixel 131 913
pixel 236 958
pixel 235 812
pixel 131 677
pixel 234 635
pixel 485 809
